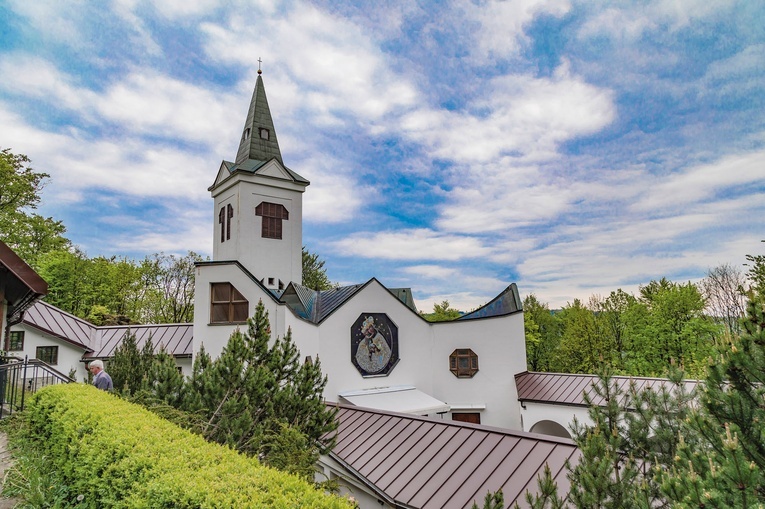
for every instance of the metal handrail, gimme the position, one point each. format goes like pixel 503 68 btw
pixel 24 375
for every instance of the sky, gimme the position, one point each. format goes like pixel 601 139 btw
pixel 453 147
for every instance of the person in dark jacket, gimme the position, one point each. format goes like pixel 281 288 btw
pixel 101 378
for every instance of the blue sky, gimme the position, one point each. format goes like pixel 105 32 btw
pixel 571 147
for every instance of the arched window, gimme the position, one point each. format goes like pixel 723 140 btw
pixel 273 214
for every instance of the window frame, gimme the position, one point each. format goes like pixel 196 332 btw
pixel 456 367
pixel 53 358
pixel 233 304
pixel 15 334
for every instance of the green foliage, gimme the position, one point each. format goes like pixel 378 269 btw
pixel 645 335
pixel 314 273
pixel 442 313
pixel 547 495
pixel 542 334
pixel 721 462
pixel 131 368
pixel 117 290
pixel 110 453
pixel 252 386
pixel 494 500
pixel 27 233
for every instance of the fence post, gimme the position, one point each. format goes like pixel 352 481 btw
pixel 24 381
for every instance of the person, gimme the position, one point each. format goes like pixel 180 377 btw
pixel 101 378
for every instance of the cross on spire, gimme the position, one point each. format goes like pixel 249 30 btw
pixel 259 62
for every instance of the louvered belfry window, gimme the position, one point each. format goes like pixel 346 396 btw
pixel 273 214
pixel 227 305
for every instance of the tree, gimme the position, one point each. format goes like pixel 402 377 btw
pixel 583 346
pixel 723 290
pixel 169 285
pixel 542 334
pixel 253 390
pixel 442 312
pixel 131 367
pixel 667 326
pixel 27 233
pixel 314 273
pixel 724 467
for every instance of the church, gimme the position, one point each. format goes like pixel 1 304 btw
pixel 416 397
pixel 374 346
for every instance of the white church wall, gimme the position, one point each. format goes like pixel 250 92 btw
pixel 275 259
pixel 215 336
pixel 500 346
pixel 69 356
pixel 414 339
pixel 536 414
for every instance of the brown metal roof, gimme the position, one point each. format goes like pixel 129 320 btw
pixel 100 342
pixel 419 462
pixel 19 283
pixel 569 389
pixel 51 320
pixel 175 338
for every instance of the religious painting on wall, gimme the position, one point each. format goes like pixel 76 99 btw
pixel 374 344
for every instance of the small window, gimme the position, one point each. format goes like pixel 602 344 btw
pixel 270 281
pixel 16 343
pixel 472 417
pixel 463 362
pixel 246 134
pixel 47 354
pixel 264 134
pixel 227 305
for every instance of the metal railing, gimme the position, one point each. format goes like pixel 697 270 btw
pixel 19 378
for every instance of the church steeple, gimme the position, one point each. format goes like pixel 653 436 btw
pixel 258 136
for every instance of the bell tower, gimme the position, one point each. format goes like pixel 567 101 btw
pixel 258 210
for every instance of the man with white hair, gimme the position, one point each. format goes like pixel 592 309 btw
pixel 101 378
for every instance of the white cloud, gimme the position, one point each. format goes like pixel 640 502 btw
pixel 501 23
pixel 523 116
pixel 337 67
pixel 703 183
pixel 417 244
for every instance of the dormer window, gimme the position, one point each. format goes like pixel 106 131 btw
pixel 273 214
pixel 246 134
pixel 264 133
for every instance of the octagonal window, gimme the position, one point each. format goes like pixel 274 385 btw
pixel 463 362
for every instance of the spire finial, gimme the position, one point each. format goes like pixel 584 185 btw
pixel 259 62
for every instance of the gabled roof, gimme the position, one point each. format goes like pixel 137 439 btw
pixel 315 306
pixel 418 462
pixel 252 144
pixel 569 389
pixel 100 342
pixel 507 302
pixel 20 285
pixel 49 319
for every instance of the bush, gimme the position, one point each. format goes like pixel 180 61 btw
pixel 112 453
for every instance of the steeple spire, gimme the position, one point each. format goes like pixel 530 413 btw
pixel 258 136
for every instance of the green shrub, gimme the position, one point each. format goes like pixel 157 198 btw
pixel 112 453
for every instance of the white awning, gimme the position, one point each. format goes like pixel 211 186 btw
pixel 406 399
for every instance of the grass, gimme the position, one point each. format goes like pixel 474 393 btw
pixel 31 478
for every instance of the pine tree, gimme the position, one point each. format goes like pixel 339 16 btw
pixel 126 367
pixel 723 467
pixel 252 391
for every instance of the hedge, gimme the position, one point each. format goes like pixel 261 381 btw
pixel 112 453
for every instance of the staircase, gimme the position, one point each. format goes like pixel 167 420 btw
pixel 20 378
